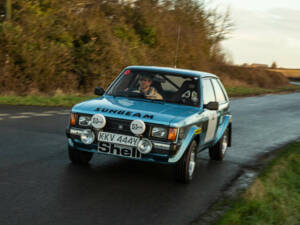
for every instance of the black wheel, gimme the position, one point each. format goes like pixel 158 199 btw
pixel 185 167
pixel 79 157
pixel 217 152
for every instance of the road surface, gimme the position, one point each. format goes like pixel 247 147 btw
pixel 38 184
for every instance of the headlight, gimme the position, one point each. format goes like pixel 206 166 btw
pixel 87 137
pixel 144 146
pixel 137 127
pixel 98 121
pixel 84 120
pixel 159 132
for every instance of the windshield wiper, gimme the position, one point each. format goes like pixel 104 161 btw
pixel 133 94
pixel 129 94
pixel 162 101
pixel 137 96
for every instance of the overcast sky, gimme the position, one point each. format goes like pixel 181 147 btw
pixel 265 31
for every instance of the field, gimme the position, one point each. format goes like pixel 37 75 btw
pixel 248 77
pixel 290 73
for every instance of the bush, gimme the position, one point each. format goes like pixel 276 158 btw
pixel 75 45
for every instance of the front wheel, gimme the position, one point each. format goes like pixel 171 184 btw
pixel 217 152
pixel 79 157
pixel 185 167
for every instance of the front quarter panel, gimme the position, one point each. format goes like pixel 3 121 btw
pixel 191 133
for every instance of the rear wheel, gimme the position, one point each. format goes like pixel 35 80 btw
pixel 217 152
pixel 79 157
pixel 185 167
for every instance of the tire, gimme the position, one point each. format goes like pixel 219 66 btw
pixel 185 167
pixel 217 152
pixel 79 157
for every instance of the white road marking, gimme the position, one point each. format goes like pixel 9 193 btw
pixel 36 114
pixel 18 117
pixel 24 115
pixel 52 112
pixel 42 114
pixel 63 113
pixel 27 113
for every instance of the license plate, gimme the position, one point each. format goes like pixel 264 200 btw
pixel 118 139
pixel 119 150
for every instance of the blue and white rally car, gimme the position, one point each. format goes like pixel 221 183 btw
pixel 154 114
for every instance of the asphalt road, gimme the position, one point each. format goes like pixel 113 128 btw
pixel 38 184
pixel 295 83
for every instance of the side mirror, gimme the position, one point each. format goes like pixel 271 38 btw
pixel 99 91
pixel 212 106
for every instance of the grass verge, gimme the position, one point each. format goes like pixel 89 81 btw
pixel 69 100
pixel 274 197
pixel 43 100
pixel 250 91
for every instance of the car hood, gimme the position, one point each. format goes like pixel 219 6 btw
pixel 131 109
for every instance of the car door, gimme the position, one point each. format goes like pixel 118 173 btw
pixel 222 99
pixel 211 115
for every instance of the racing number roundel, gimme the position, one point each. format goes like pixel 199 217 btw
pixel 98 121
pixel 137 127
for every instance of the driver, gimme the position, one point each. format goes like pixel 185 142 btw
pixel 145 88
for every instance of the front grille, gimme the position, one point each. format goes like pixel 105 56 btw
pixel 121 126
pixel 160 151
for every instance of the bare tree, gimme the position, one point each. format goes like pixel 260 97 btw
pixel 221 25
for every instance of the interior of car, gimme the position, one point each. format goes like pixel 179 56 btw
pixel 173 88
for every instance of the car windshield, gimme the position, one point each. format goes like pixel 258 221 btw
pixel 156 86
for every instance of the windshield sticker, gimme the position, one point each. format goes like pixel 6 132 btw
pixel 127 72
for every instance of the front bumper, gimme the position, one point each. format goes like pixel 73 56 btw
pixel 160 153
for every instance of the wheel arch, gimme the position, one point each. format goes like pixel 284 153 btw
pixel 226 124
pixel 190 136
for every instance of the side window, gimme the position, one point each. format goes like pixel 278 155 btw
pixel 219 92
pixel 223 89
pixel 208 91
